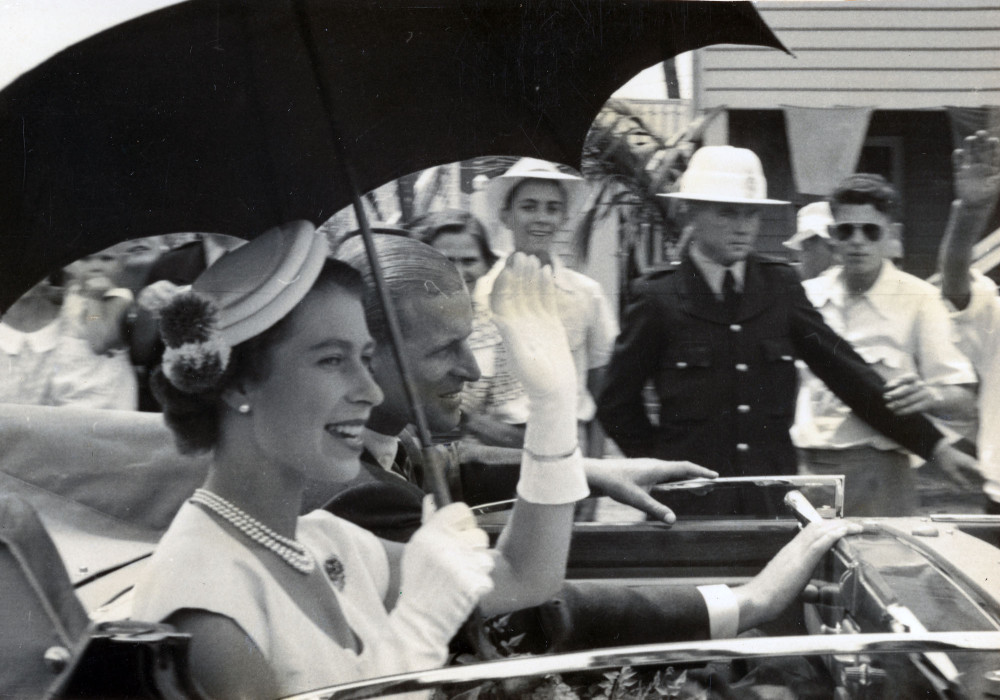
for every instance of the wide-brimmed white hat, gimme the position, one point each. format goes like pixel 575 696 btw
pixel 812 220
pixel 724 174
pixel 499 188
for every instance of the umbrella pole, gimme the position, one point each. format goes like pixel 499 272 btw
pixel 434 467
pixel 435 458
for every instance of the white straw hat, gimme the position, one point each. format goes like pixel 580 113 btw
pixel 724 174
pixel 499 188
pixel 812 220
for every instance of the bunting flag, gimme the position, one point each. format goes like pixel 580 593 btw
pixel 966 121
pixel 825 144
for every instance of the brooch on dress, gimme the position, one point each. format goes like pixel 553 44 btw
pixel 334 569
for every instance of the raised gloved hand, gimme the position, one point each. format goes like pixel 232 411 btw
pixel 446 568
pixel 524 309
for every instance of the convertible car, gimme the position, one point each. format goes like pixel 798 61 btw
pixel 910 608
pixel 226 116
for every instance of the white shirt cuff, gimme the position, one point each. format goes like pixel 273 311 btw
pixel 723 611
pixel 553 481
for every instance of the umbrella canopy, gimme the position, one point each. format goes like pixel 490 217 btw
pixel 233 116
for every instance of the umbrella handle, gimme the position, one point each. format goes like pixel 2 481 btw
pixel 440 463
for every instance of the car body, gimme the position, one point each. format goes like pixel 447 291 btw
pixel 885 615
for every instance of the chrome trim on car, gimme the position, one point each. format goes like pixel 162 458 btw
pixel 978 518
pixel 835 482
pixel 662 654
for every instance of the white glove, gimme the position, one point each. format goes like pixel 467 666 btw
pixel 446 568
pixel 525 312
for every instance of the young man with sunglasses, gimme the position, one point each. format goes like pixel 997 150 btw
pixel 899 325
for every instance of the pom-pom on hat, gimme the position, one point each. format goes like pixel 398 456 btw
pixel 724 174
pixel 812 220
pixel 499 188
pixel 241 295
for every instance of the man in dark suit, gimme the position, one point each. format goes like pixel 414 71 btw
pixel 718 336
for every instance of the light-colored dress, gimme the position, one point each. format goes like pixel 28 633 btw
pixel 200 564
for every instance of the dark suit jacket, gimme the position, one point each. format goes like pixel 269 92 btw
pixel 380 502
pixel 726 381
pixel 582 616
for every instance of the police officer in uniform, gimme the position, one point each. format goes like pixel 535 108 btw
pixel 718 336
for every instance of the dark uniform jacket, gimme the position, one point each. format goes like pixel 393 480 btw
pixel 726 380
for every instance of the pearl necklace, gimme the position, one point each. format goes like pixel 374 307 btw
pixel 291 551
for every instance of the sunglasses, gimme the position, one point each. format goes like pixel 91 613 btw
pixel 844 232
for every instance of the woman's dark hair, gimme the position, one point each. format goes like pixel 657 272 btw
pixel 428 227
pixel 866 188
pixel 194 418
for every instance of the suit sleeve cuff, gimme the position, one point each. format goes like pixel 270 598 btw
pixel 723 611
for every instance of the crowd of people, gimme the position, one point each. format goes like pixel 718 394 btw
pixel 747 360
pixel 274 357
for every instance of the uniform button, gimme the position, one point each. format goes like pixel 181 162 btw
pixel 743 408
pixel 742 447
pixel 681 365
pixel 736 328
pixel 741 367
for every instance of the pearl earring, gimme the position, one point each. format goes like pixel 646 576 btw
pixel 244 408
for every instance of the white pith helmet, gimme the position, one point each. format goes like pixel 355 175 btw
pixel 724 174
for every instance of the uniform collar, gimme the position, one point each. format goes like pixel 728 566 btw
pixel 714 273
pixel 43 340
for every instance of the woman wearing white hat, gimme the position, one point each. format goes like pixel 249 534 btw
pixel 535 200
pixel 267 368
pixel 719 335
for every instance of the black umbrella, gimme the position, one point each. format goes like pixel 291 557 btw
pixel 234 116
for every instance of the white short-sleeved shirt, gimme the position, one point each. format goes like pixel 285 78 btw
pixel 977 334
pixel 899 326
pixel 25 359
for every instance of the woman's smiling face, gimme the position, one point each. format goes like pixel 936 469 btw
pixel 536 212
pixel 315 392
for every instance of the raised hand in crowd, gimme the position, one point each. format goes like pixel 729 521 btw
pixel 977 186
